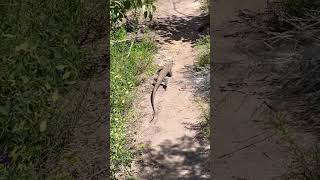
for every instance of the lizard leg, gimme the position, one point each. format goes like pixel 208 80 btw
pixel 155 78
pixel 165 83
pixel 160 69
pixel 169 74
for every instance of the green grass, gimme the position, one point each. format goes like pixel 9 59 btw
pixel 203 60
pixel 305 162
pixel 204 107
pixel 124 80
pixel 41 59
pixel 203 46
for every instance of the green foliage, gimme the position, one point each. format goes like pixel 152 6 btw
pixel 203 46
pixel 40 58
pixel 305 161
pixel 124 79
pixel 118 9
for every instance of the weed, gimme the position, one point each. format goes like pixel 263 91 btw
pixel 305 162
pixel 203 46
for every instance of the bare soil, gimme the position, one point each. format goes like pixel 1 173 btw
pixel 246 145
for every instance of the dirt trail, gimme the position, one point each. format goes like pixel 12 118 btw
pixel 172 150
pixel 244 149
pixel 245 145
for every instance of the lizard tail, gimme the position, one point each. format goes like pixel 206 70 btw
pixel 152 104
pixel 152 117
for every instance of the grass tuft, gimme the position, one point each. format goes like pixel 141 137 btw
pixel 203 46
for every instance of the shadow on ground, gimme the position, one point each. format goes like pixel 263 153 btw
pixel 175 28
pixel 166 163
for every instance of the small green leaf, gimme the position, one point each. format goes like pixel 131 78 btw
pixel 8 35
pixel 66 75
pixel 25 79
pixel 13 154
pixel 57 54
pixel 43 126
pixel 55 96
pixel 47 85
pixel 23 47
pixel 61 67
pixel 4 110
pixel 70 82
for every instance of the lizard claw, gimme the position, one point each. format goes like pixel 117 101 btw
pixel 164 87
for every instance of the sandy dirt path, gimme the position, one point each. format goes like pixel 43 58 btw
pixel 171 149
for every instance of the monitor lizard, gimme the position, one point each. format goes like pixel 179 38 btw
pixel 161 80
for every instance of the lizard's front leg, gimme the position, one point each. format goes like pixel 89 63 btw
pixel 155 78
pixel 160 69
pixel 165 83
pixel 169 73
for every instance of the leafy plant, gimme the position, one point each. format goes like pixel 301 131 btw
pixel 119 8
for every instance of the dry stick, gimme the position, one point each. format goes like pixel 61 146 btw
pixel 97 173
pixel 135 38
pixel 239 178
pixel 244 147
pixel 254 112
pixel 131 47
pixel 233 90
pixel 120 41
pixel 252 137
pixel 242 102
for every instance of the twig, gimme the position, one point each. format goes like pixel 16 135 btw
pixel 131 47
pixel 120 41
pixel 238 178
pixel 269 106
pixel 252 137
pixel 97 173
pixel 244 147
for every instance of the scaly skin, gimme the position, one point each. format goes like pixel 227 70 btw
pixel 163 72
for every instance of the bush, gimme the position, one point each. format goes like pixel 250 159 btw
pixel 119 8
